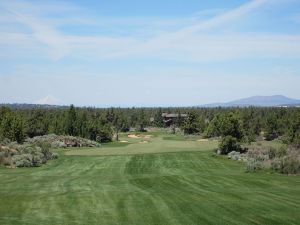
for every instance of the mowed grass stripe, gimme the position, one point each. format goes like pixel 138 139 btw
pixel 191 187
pixel 153 145
pixel 241 194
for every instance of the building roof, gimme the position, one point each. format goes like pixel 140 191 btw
pixel 173 115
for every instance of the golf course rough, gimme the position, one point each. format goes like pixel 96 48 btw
pixel 164 181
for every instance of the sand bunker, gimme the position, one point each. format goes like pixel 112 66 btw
pixel 124 141
pixel 133 136
pixel 140 136
pixel 202 140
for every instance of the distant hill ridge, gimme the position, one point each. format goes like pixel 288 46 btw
pixel 30 106
pixel 262 101
pixel 259 101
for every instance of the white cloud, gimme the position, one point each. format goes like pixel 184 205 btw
pixel 45 34
pixel 226 17
pixel 191 43
pixel 42 32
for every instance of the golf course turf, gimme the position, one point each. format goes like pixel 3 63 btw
pixel 157 180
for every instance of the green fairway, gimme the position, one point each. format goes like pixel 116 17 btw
pixel 148 145
pixel 162 181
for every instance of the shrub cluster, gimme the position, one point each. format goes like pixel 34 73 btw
pixel 254 165
pixel 27 155
pixel 36 151
pixel 237 156
pixel 289 163
pixel 61 141
pixel 283 160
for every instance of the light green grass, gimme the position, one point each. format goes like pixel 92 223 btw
pixel 144 146
pixel 186 187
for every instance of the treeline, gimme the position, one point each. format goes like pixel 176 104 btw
pixel 96 124
pixel 242 124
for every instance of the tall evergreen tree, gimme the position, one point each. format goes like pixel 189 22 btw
pixel 272 128
pixel 141 121
pixel 82 124
pixel 12 127
pixel 71 120
pixel 6 130
pixel 232 133
pixel 18 129
pixel 158 119
pixel 38 123
pixel 193 124
pixel 117 124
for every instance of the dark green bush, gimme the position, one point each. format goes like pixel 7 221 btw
pixel 229 144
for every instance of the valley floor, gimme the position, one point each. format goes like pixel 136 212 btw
pixel 154 180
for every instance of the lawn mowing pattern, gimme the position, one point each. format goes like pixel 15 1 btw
pixel 169 188
pixel 154 145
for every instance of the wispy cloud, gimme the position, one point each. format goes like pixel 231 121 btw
pixel 43 33
pixel 191 42
pixel 224 18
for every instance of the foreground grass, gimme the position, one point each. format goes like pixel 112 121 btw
pixel 164 188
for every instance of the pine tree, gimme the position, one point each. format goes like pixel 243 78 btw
pixel 272 129
pixel 158 119
pixel 6 126
pixel 71 120
pixel 82 124
pixel 18 129
pixel 192 124
pixel 38 123
pixel 117 124
pixel 141 121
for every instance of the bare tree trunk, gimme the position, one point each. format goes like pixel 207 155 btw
pixel 117 136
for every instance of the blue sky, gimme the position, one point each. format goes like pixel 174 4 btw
pixel 148 53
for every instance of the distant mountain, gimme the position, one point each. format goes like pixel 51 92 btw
pixel 31 106
pixel 262 101
pixel 259 101
pixel 49 100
